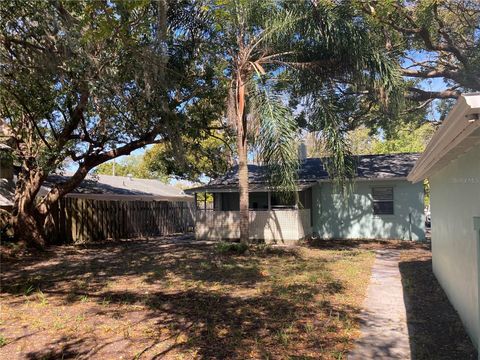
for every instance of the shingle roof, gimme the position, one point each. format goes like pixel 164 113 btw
pixel 369 167
pixel 121 186
pixel 105 187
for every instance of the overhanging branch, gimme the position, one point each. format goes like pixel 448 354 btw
pixel 424 95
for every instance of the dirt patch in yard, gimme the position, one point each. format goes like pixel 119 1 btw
pixel 435 329
pixel 167 299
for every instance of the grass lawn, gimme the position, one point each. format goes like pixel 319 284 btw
pixel 161 299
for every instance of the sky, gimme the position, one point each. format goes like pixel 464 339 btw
pixel 434 84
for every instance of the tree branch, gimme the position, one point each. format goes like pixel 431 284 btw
pixel 423 95
pixel 89 162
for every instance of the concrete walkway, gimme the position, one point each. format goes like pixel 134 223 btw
pixel 384 332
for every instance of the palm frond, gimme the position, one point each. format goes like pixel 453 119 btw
pixel 340 162
pixel 336 55
pixel 277 141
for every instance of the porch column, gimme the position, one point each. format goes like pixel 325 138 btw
pixel 269 196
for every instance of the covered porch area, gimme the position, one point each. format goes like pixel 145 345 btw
pixel 274 218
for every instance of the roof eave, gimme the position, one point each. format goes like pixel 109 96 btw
pixel 370 179
pixel 456 135
pixel 254 187
pixel 262 187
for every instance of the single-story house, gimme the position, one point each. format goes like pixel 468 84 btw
pixel 94 186
pixel 108 187
pixel 451 162
pixel 104 206
pixel 381 204
pixel 104 187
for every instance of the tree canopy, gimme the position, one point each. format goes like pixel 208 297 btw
pixel 211 82
pixel 132 165
pixel 91 81
pixel 208 156
pixel 433 39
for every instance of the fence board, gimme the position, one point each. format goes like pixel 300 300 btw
pixel 85 220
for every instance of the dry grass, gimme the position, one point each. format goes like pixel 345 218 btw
pixel 160 299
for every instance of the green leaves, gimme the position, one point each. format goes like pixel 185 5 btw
pixel 277 141
pixel 339 162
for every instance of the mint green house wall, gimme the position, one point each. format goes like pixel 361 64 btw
pixel 455 207
pixel 351 217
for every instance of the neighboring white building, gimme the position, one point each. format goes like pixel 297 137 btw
pixel 451 162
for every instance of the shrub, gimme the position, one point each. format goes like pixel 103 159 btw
pixel 231 248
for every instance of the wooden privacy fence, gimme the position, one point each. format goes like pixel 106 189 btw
pixel 77 220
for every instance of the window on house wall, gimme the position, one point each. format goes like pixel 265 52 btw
pixel 382 200
pixel 258 201
pixel 283 200
pixel 205 201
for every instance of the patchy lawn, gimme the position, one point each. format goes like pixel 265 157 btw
pixel 434 327
pixel 157 298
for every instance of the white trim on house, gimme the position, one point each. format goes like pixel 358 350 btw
pixel 358 179
pixel 457 134
pixel 252 188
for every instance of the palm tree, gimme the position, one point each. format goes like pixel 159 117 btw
pixel 272 48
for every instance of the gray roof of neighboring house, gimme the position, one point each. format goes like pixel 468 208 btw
pixel 369 167
pixel 105 187
pixel 122 187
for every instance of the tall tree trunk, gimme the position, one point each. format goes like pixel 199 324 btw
pixel 28 228
pixel 242 159
pixel 25 220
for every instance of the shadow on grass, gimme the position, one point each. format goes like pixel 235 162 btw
pixel 90 269
pixel 68 348
pixel 62 349
pixel 434 327
pixel 283 321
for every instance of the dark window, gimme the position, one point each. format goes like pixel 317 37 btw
pixel 258 201
pixel 283 200
pixel 382 200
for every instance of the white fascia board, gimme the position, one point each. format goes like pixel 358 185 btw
pixel 358 179
pixel 454 130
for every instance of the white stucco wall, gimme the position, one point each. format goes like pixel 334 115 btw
pixel 351 217
pixel 455 202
